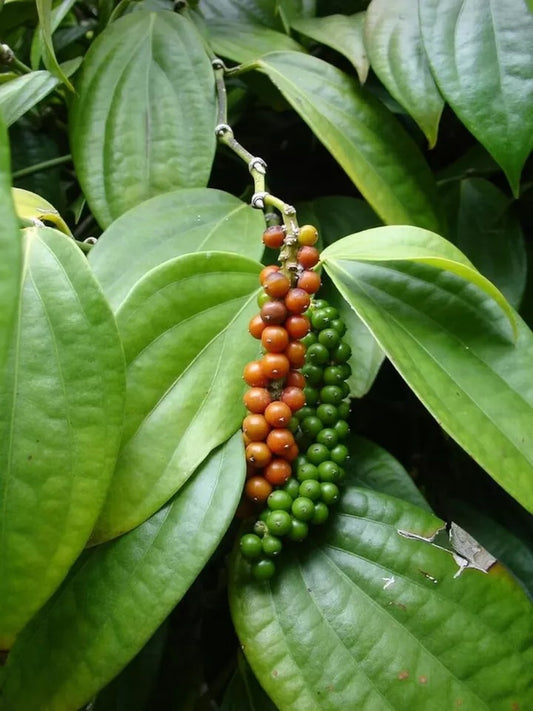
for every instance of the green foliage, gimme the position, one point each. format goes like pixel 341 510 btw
pixel 128 277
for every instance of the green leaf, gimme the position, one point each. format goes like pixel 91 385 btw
pixel 450 340
pixel 480 54
pixel 44 10
pixel 245 42
pixel 364 138
pixel 10 251
pixel 185 336
pixel 394 45
pixel 180 222
pixel 344 33
pixel 255 12
pixel 118 595
pixel 30 206
pixel 143 121
pixel 374 468
pixel 488 231
pixel 290 10
pixel 20 95
pixel 244 692
pixel 335 217
pixel 371 619
pixel 60 423
pixel 418 246
pixel 56 17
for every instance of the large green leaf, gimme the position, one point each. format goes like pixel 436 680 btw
pixel 394 45
pixel 245 42
pixel 183 221
pixel 365 139
pixel 343 33
pixel 184 330
pixel 60 423
pixel 10 250
pixel 118 595
pixel 451 341
pixel 370 619
pixel 23 93
pixel 481 56
pixel 486 228
pixel 143 120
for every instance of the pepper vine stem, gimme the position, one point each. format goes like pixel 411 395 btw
pixel 261 199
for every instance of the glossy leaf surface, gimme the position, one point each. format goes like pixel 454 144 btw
pixel 487 230
pixel 170 225
pixel 185 336
pixel 367 618
pixel 143 120
pixel 60 424
pixel 451 341
pixel 10 251
pixel 23 93
pixel 394 45
pixel 242 42
pixel 343 33
pixel 121 592
pixel 481 56
pixel 361 134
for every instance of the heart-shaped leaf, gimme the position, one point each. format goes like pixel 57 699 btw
pixel 368 618
pixel 394 45
pixel 185 336
pixel 343 33
pixel 60 423
pixel 143 120
pixel 118 595
pixel 183 221
pixel 481 56
pixel 450 339
pixel 365 139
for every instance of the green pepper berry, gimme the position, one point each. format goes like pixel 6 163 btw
pixel 251 546
pixel 263 569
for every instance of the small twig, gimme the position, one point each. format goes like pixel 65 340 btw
pixel 44 165
pixel 261 198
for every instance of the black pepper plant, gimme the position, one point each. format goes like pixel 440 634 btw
pixel 266 433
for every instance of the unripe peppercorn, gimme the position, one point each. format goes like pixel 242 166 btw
pixel 307 235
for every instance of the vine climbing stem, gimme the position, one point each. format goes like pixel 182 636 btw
pixel 261 199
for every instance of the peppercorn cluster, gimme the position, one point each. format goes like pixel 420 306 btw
pixel 297 405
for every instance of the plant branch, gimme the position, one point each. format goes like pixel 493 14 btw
pixel 257 167
pixel 44 165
